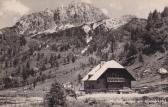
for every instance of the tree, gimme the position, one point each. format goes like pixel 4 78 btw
pixel 154 20
pixel 46 60
pixel 165 12
pixel 56 64
pixel 43 67
pixel 113 43
pixel 65 61
pixel 149 21
pixel 15 62
pixel 79 78
pixel 51 60
pixel 73 59
pixel 28 65
pixel 19 70
pixel 156 15
pixel 6 64
pixel 43 78
pixel 68 59
pixel 34 83
pixel 104 56
pixel 59 56
pixel 132 50
pixel 140 58
pixel 38 56
pixel 33 45
pixel 25 74
pixel 7 82
pixel 23 41
pixel 126 47
pixel 31 72
pixel 56 96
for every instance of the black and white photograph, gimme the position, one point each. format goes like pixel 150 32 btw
pixel 83 53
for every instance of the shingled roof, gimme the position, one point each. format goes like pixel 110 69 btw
pixel 96 72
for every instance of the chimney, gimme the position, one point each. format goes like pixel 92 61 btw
pixel 89 76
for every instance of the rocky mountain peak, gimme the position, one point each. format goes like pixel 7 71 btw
pixel 73 14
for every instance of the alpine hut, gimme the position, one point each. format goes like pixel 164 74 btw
pixel 108 76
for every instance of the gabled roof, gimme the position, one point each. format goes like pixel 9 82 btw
pixel 96 72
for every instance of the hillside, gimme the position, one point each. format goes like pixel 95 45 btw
pixel 67 42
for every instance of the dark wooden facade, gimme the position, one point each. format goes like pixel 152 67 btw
pixel 111 79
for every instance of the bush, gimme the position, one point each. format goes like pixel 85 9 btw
pixel 56 97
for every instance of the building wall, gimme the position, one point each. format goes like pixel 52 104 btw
pixel 100 84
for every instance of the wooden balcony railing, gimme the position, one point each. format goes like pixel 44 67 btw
pixel 115 79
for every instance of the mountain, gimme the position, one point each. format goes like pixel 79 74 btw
pixel 67 42
pixel 63 17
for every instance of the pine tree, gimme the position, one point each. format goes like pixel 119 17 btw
pixel 140 58
pixel 23 41
pixel 25 73
pixel 27 65
pixel 126 47
pixel 79 78
pixel 34 83
pixel 57 64
pixel 43 67
pixel 46 60
pixel 156 15
pixel 51 60
pixel 68 59
pixel 73 59
pixel 56 97
pixel 165 12
pixel 92 61
pixel 59 56
pixel 38 56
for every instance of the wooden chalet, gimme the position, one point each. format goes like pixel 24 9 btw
pixel 108 76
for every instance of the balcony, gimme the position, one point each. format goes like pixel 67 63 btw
pixel 115 79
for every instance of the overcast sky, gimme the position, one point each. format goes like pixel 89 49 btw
pixel 12 10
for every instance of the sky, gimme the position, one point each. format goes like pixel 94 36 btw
pixel 12 10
